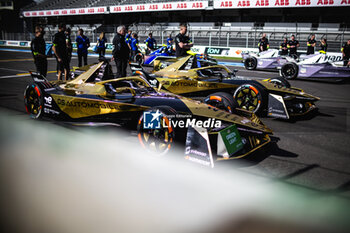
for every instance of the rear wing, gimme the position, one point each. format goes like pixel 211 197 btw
pixel 40 80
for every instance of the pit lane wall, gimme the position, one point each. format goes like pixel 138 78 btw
pixel 187 5
pixel 234 52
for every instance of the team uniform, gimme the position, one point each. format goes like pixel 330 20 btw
pixel 181 52
pixel 292 51
pixel 38 48
pixel 101 46
pixel 83 43
pixel 121 53
pixel 169 41
pixel 263 43
pixel 284 48
pixel 323 48
pixel 59 42
pixel 150 42
pixel 310 48
pixel 69 47
pixel 134 47
pixel 346 50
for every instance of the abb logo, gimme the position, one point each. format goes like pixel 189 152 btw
pixel 153 7
pixel 303 2
pixel 244 3
pixel 226 4
pixel 64 12
pixel 81 11
pixel 325 2
pixel 72 12
pixel 117 8
pixel 167 6
pixel 101 10
pixel 345 2
pixel 140 8
pixel 181 5
pixel 262 3
pixel 48 12
pixel 56 12
pixel 27 14
pixel 197 5
pixel 91 10
pixel 282 3
pixel 128 8
pixel 34 13
pixel 41 13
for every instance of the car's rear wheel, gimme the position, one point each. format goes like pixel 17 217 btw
pixel 33 101
pixel 250 63
pixel 249 97
pixel 222 100
pixel 289 70
pixel 139 59
pixel 158 135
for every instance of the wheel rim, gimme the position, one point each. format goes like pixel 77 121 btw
pixel 32 101
pixel 248 98
pixel 289 71
pixel 156 140
pixel 250 63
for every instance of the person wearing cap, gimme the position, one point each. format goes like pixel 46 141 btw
pixel 283 47
pixel 121 52
pixel 263 43
pixel 311 43
pixel 293 45
pixel 38 48
pixel 346 53
pixel 60 49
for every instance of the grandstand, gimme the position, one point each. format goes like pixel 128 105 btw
pixel 214 27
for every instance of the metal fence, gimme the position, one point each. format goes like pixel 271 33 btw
pixel 218 37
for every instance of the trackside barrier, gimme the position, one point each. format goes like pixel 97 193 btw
pixel 213 51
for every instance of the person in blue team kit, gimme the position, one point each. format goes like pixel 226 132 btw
pixel 101 45
pixel 169 41
pixel 83 43
pixel 150 42
pixel 134 44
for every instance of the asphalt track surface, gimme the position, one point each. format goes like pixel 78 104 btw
pixel 311 152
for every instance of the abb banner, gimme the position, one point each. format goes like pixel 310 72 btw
pixel 63 12
pixel 168 6
pixel 225 4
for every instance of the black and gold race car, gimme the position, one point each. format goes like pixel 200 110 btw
pixel 272 97
pixel 96 96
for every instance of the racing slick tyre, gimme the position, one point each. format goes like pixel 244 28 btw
pixel 154 130
pixel 33 101
pixel 280 81
pixel 139 59
pixel 289 70
pixel 250 97
pixel 222 100
pixel 250 63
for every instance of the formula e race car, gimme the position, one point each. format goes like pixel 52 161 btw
pixel 266 60
pixel 96 96
pixel 315 66
pixel 272 97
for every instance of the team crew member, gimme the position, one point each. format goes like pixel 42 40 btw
pixel 38 48
pixel 121 51
pixel 263 43
pixel 69 44
pixel 169 40
pixel 83 43
pixel 101 45
pixel 293 45
pixel 128 37
pixel 284 47
pixel 60 49
pixel 346 53
pixel 311 43
pixel 323 46
pixel 150 42
pixel 182 42
pixel 134 44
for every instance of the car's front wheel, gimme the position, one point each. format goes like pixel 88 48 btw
pixel 249 97
pixel 33 101
pixel 250 63
pixel 222 100
pixel 155 132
